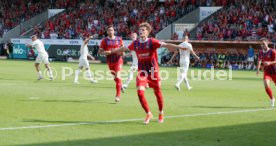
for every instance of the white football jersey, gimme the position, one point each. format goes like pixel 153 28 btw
pixel 185 54
pixel 83 51
pixel 39 46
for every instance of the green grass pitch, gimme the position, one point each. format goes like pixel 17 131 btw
pixel 233 112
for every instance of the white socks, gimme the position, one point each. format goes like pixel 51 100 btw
pixel 180 80
pixel 130 78
pixel 88 74
pixel 50 73
pixel 77 72
pixel 187 82
pixel 39 74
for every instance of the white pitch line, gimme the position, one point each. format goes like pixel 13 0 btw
pixel 131 120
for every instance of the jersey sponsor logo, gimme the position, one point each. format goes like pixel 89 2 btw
pixel 144 55
pixel 113 42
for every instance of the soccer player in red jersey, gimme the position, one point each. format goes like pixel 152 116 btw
pixel 114 61
pixel 267 56
pixel 145 49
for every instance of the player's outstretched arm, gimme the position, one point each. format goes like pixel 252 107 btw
pixel 87 40
pixel 172 47
pixel 269 63
pixel 29 46
pixel 102 52
pixel 91 57
pixel 194 54
pixel 122 49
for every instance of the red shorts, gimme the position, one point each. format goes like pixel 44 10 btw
pixel 268 76
pixel 114 68
pixel 153 82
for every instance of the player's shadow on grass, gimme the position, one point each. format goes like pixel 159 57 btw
pixel 129 88
pixel 247 78
pixel 73 101
pixel 228 107
pixel 254 134
pixel 88 123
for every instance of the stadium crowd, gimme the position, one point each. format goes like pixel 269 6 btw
pixel 14 12
pixel 239 20
pixel 245 20
pixel 86 17
pixel 91 17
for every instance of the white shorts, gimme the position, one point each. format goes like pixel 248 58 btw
pixel 250 59
pixel 134 67
pixel 135 63
pixel 184 66
pixel 42 58
pixel 83 63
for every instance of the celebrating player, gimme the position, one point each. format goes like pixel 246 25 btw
pixel 267 56
pixel 114 61
pixel 145 49
pixel 184 62
pixel 83 61
pixel 41 57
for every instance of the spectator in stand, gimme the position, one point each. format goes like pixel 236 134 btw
pixel 186 33
pixel 9 49
pixel 53 35
pixel 95 51
pixel 174 36
pixel 250 56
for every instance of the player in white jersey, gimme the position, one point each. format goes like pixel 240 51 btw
pixel 41 57
pixel 83 61
pixel 134 65
pixel 184 62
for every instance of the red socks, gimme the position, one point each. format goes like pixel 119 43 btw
pixel 143 101
pixel 159 98
pixel 118 86
pixel 269 92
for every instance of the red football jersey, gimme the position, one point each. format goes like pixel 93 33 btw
pixel 112 44
pixel 146 53
pixel 268 56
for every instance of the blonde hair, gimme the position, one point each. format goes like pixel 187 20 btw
pixel 147 25
pixel 33 36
